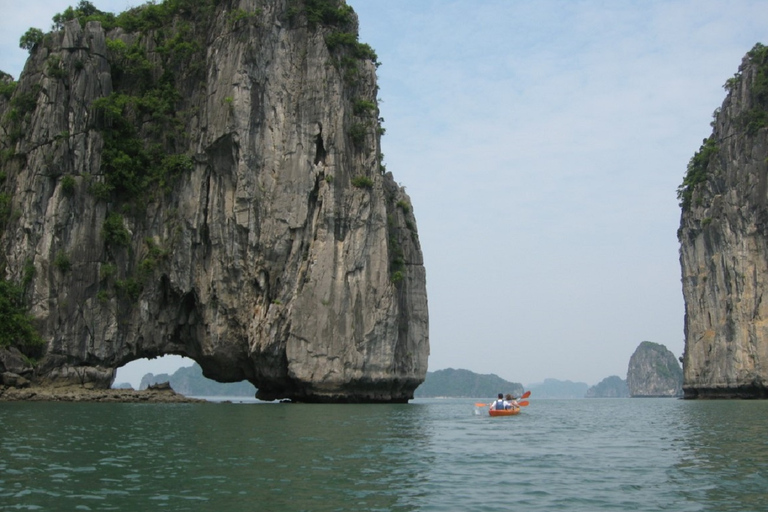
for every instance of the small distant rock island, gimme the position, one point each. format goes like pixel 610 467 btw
pixel 610 387
pixel 654 372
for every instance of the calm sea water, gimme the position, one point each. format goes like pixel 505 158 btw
pixel 630 454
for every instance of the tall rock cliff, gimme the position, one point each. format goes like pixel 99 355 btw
pixel 654 372
pixel 204 178
pixel 724 244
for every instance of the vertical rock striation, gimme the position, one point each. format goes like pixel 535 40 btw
pixel 204 178
pixel 724 244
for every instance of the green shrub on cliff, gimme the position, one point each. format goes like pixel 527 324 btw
pixel 697 171
pixel 320 12
pixel 114 231
pixel 15 323
pixel 143 18
pixel 7 85
pixel 30 39
pixel 756 116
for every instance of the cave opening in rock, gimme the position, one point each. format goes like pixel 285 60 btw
pixel 133 372
pixel 185 377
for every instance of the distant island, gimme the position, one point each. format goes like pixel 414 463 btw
pixel 465 384
pixel 190 381
pixel 458 383
pixel 553 388
pixel 610 387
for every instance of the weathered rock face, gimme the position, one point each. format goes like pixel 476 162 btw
pixel 724 245
pixel 654 372
pixel 251 227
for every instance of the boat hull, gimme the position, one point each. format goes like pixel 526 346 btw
pixel 504 412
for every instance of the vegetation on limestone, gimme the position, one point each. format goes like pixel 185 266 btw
pixel 144 18
pixel 756 116
pixel 28 274
pixel 5 209
pixel 357 133
pixel 363 107
pixel 22 106
pixel 31 39
pixel 342 41
pixel 16 329
pixel 154 254
pixel 362 182
pixel 697 172
pixel 330 13
pixel 114 232
pixel 347 40
pixel 68 185
pixel 133 165
pixel 238 16
pixel 129 288
pixel 62 262
pixel 7 85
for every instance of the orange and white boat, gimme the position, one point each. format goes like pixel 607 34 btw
pixel 504 412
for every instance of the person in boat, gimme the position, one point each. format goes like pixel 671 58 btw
pixel 511 402
pixel 500 404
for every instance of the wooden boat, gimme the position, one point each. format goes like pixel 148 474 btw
pixel 504 412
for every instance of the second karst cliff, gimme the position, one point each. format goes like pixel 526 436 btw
pixel 724 244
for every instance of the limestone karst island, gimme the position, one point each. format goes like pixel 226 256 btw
pixel 204 178
pixel 724 244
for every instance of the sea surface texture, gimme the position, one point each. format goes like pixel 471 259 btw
pixel 610 454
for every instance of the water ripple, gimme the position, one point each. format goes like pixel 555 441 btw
pixel 431 455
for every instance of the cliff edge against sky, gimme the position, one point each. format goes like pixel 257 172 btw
pixel 724 244
pixel 204 178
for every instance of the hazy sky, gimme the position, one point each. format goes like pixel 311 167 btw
pixel 542 143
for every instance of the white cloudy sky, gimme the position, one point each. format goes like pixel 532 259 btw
pixel 542 143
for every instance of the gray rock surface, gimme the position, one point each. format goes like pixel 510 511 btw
pixel 724 249
pixel 284 254
pixel 654 372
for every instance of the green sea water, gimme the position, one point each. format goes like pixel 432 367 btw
pixel 622 454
